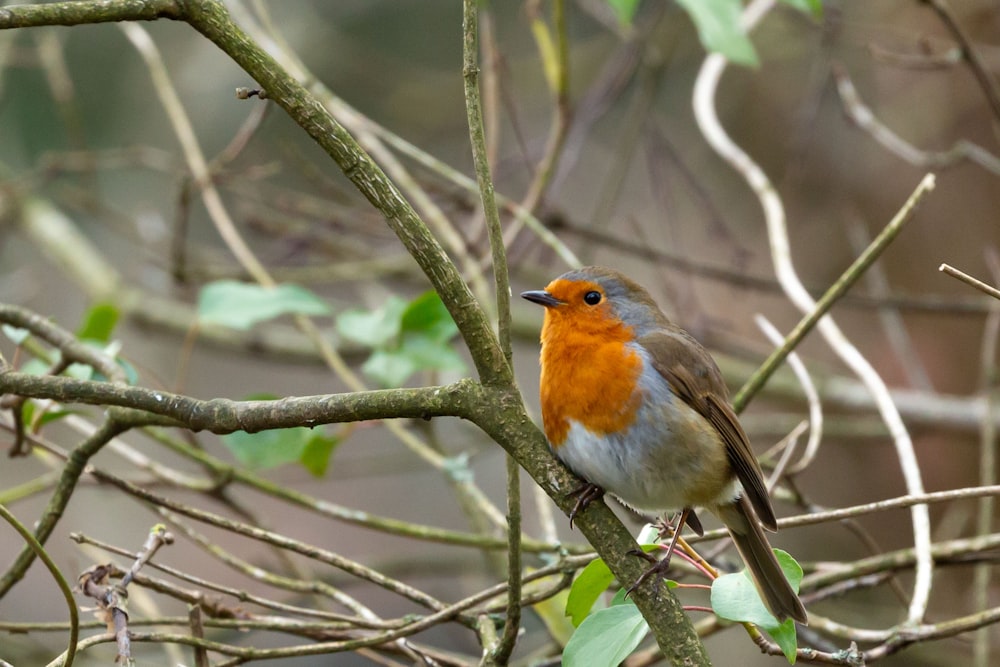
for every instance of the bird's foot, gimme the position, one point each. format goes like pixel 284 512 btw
pixel 643 555
pixel 585 494
pixel 661 566
pixel 658 568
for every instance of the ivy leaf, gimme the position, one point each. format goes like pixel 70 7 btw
pixel 814 7
pixel 317 453
pixel 16 335
pixel 267 449
pixel 590 583
pixel 587 588
pixel 239 305
pixel 34 366
pixel 406 337
pixel 719 29
pixel 270 449
pixel 428 316
pixel 375 328
pixel 606 637
pixel 389 368
pixel 624 10
pixel 734 597
pixel 430 354
pixel 99 322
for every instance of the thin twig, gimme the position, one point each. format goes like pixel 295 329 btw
pixel 969 280
pixel 868 508
pixel 500 652
pixel 976 63
pixel 862 116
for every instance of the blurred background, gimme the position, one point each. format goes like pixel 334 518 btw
pixel 87 145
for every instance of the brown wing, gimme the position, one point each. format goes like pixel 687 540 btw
pixel 695 378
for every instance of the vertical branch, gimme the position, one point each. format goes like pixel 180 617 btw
pixel 474 112
pixel 500 653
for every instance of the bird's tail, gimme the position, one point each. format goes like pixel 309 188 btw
pixel 774 589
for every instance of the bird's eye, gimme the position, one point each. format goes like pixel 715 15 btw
pixel 592 298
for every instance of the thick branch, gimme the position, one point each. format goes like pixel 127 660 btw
pixel 80 13
pixel 221 415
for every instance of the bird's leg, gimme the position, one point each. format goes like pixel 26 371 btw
pixel 585 494
pixel 662 565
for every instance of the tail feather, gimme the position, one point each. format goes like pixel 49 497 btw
pixel 774 589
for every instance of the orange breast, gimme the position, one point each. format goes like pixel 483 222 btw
pixel 589 375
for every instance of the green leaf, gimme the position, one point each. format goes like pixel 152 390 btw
pixel 392 367
pixel 99 322
pixel 238 305
pixel 406 337
pixel 389 369
pixel 27 411
pixel 55 415
pixel 15 334
pixel 785 636
pixel 269 449
pixel 606 637
pixel 429 354
pixel 427 314
pixel 261 396
pixel 131 374
pixel 587 588
pixel 718 23
pixel 624 10
pixel 620 598
pixel 34 366
pixel 28 414
pixel 318 450
pixel 79 371
pixel 734 597
pixel 814 7
pixel 376 328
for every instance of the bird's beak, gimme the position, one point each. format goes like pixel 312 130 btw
pixel 542 298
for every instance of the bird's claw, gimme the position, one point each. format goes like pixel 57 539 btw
pixel 642 554
pixel 659 567
pixel 585 494
pixel 662 565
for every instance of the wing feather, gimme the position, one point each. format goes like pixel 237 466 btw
pixel 694 377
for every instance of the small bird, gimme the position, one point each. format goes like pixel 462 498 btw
pixel 635 406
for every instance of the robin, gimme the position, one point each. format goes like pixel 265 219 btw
pixel 635 406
